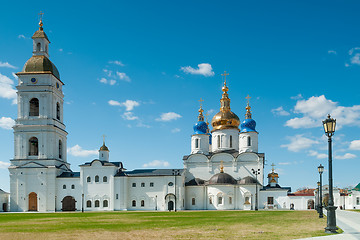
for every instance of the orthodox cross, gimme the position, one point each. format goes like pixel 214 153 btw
pixel 273 165
pixel 248 99
pixel 41 15
pixel 104 138
pixel 200 101
pixel 224 75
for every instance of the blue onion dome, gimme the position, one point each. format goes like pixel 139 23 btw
pixel 201 127
pixel 249 124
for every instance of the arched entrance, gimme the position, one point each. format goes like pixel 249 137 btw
pixel 4 207
pixel 68 204
pixel 170 205
pixel 33 201
pixel 310 204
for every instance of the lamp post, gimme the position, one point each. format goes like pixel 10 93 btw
pixel 317 206
pixel 256 172
pixel 329 128
pixel 175 172
pixel 321 170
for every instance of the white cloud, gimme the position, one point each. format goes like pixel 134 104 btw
pixel 355 145
pixel 351 51
pixel 165 117
pixel 6 88
pixel 130 104
pixel 6 65
pixel 297 97
pixel 4 165
pixel 204 69
pixel 108 72
pixel 114 103
pixel 129 116
pixel 61 50
pixel 7 123
pixel 298 142
pixel 140 124
pixel 355 59
pixel 175 130
pixel 317 155
pixel 345 156
pixel 157 163
pixel 78 151
pixel 123 76
pixel 280 111
pixel 22 36
pixel 110 82
pixel 332 52
pixel 315 110
pixel 119 63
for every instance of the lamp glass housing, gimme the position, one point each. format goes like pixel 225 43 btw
pixel 321 168
pixel 329 125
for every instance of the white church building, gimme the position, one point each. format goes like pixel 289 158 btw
pixel 224 169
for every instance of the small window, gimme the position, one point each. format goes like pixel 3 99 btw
pixel 88 203
pixel 220 200
pixel 249 141
pixel 105 179
pixel 142 184
pixel 247 200
pixel 210 200
pixel 97 178
pixel 57 111
pixel 34 107
pixel 230 200
pixel 105 203
pixel 33 146
pixel 117 196
pixel 231 141
pixel 171 184
pixel 218 141
pixel 73 186
pixel 358 201
pixel 133 184
pixel 133 203
pixel 64 186
pixel 142 203
pixel 88 179
pixel 38 47
pixel 197 143
pixel 151 184
pixel 193 201
pixel 97 203
pixel 270 200
pixel 60 149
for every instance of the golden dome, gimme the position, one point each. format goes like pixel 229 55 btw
pixel 40 64
pixel 225 119
pixel 104 148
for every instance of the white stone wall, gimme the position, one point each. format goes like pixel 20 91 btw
pixel 244 142
pixel 224 136
pixel 203 143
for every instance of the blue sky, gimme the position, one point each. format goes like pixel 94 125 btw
pixel 135 70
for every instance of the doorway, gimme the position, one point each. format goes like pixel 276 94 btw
pixel 68 203
pixel 170 205
pixel 33 202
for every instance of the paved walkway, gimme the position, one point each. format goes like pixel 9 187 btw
pixel 349 222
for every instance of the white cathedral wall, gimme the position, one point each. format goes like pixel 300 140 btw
pixel 4 199
pixel 76 193
pixel 203 143
pixel 280 199
pixel 243 142
pixel 224 143
pixel 223 192
pixel 200 196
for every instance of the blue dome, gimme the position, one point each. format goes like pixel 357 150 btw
pixel 200 127
pixel 248 125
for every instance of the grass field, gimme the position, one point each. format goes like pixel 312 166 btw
pixel 162 225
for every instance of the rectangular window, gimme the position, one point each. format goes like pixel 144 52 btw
pixel 151 184
pixel 210 200
pixel 218 141
pixel 142 184
pixel 133 184
pixel 358 201
pixel 196 143
pixel 193 201
pixel 73 186
pixel 117 196
pixel 220 200
pixel 231 141
pixel 270 200
pixel 230 200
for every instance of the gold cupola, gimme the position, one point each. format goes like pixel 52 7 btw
pixel 225 119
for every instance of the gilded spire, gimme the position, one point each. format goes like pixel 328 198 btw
pixel 273 170
pixel 225 100
pixel 201 116
pixel 248 108
pixel 41 23
pixel 104 147
pixel 221 166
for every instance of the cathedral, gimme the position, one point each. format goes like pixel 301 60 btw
pixel 223 171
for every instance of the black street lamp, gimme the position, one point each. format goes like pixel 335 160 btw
pixel 256 172
pixel 175 172
pixel 329 128
pixel 317 207
pixel 321 170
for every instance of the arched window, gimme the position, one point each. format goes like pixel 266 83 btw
pixel 193 201
pixel 249 141
pixel 64 186
pixel 230 200
pixel 231 141
pixel 197 143
pixel 218 141
pixel 60 149
pixel 97 203
pixel 46 48
pixel 96 178
pixel 34 107
pixel 220 200
pixel 57 111
pixel 88 203
pixel 105 203
pixel 133 203
pixel 38 47
pixel 105 179
pixel 33 146
pixel 88 179
pixel 73 186
pixel 142 203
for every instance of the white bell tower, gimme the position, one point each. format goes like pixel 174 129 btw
pixel 39 132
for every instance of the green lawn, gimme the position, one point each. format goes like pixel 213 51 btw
pixel 164 225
